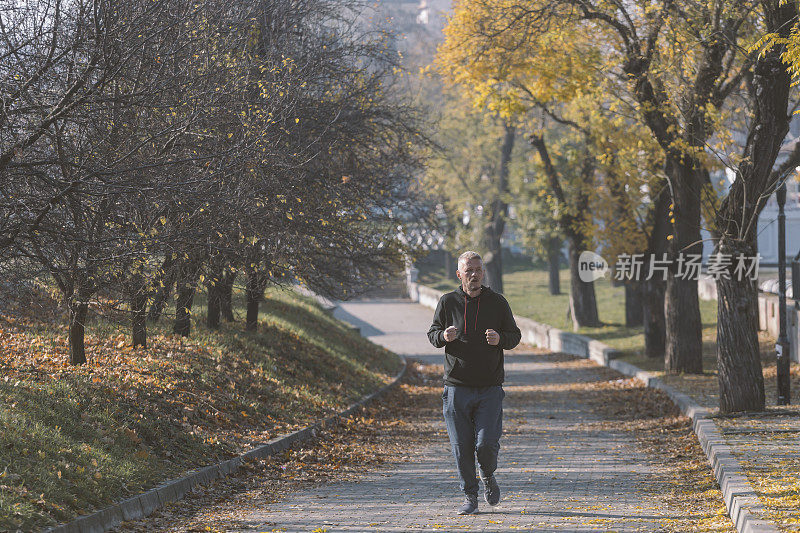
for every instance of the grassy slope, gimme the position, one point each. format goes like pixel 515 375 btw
pixel 76 439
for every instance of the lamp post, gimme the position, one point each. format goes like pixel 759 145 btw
pixel 796 293
pixel 796 281
pixel 782 346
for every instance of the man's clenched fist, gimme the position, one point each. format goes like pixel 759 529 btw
pixel 450 334
pixel 492 337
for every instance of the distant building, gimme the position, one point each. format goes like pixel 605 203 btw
pixel 415 20
pixel 768 226
pixel 768 220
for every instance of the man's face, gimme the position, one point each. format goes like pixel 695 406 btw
pixel 471 274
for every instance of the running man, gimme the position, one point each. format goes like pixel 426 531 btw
pixel 474 325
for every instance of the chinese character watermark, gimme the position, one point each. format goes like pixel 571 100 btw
pixel 637 267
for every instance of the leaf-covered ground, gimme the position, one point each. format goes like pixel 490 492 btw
pixel 385 432
pixel 408 418
pixel 671 445
pixel 74 439
pixel 765 443
pixel 766 446
pixel 773 473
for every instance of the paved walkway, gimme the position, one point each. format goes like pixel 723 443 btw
pixel 558 471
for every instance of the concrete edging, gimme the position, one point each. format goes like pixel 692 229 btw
pixel 144 504
pixel 740 498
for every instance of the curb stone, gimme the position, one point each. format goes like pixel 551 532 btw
pixel 740 499
pixel 146 503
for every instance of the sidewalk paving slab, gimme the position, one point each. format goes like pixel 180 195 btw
pixel 560 468
pixel 751 510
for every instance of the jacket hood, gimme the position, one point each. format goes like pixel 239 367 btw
pixel 469 359
pixel 484 290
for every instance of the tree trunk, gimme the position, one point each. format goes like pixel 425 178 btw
pixel 684 347
pixel 493 267
pixel 493 232
pixel 77 327
pixel 448 264
pixel 683 351
pixel 633 304
pixel 655 334
pixel 554 266
pixel 740 377
pixel 226 296
pixel 139 318
pixel 253 300
pixel 183 310
pixel 214 288
pixel 582 300
pixel 185 287
pixel 256 283
pixel 166 278
pixel 653 290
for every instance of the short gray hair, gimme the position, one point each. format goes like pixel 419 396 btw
pixel 466 256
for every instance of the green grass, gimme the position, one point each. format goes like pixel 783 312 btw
pixel 526 288
pixel 74 439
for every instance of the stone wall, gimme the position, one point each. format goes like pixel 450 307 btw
pixel 768 318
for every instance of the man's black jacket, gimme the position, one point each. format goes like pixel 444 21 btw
pixel 469 359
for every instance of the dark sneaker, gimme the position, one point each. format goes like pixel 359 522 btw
pixel 470 504
pixel 491 491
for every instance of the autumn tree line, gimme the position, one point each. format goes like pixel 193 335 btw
pixel 150 149
pixel 626 115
